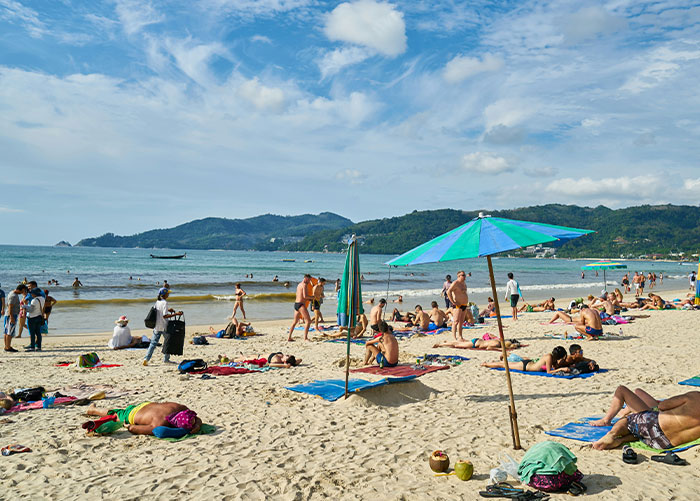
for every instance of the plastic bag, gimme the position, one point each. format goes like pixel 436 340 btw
pixel 509 465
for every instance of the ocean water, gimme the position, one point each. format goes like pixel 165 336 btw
pixel 126 281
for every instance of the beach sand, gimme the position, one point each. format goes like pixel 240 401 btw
pixel 272 443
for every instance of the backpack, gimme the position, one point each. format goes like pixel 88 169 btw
pixel 199 340
pixel 191 365
pixel 150 319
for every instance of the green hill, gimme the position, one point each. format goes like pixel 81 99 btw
pixel 267 232
pixel 633 231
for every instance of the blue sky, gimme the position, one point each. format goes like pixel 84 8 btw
pixel 127 115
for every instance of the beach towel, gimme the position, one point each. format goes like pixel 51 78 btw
pixel 345 340
pixel 225 370
pixel 205 429
pixel 402 370
pixel 442 359
pixel 558 376
pixel 507 349
pixel 693 381
pixel 333 389
pixel 401 334
pixel 38 405
pixel 584 432
pixel 100 365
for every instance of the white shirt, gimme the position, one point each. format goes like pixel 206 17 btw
pixel 161 311
pixel 120 337
pixel 36 307
pixel 512 287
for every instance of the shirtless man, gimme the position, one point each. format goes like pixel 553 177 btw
pixel 437 316
pixel 300 310
pixel 318 296
pixel 659 424
pixel 375 315
pixel 384 349
pixel 77 283
pixel 588 322
pixel 457 294
pixel 142 419
pixel 422 320
pixel 605 303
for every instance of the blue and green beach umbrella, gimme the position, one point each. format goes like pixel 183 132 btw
pixel 350 298
pixel 485 236
pixel 604 265
pixel 697 285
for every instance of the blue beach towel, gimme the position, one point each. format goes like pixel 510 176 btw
pixel 345 340
pixel 557 376
pixel 333 389
pixel 693 381
pixel 584 432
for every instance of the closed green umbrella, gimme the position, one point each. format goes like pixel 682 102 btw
pixel 350 299
pixel 485 236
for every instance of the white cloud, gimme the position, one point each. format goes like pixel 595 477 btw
pixel 461 67
pixel 262 97
pixel 352 175
pixel 591 122
pixel 692 185
pixel 192 57
pixel 376 25
pixel 252 7
pixel 353 109
pixel 485 163
pixel 590 22
pixel 542 172
pixel 136 14
pixel 8 210
pixel 334 61
pixel 11 10
pixel 508 112
pixel 261 39
pixel 660 65
pixel 610 187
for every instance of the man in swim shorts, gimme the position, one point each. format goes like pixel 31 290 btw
pixel 589 323
pixel 375 315
pixel 659 424
pixel 384 349
pixel 457 294
pixel 437 316
pixel 141 419
pixel 316 301
pixel 300 310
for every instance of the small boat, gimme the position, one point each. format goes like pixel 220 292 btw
pixel 288 260
pixel 308 261
pixel 169 257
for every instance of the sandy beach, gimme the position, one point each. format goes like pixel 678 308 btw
pixel 272 443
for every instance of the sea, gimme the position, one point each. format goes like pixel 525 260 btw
pixel 126 281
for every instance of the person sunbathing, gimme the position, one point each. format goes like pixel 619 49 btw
pixel 278 359
pixel 490 308
pixel 396 316
pixel 587 323
pixel 547 305
pixel 576 360
pixel 143 418
pixel 547 363
pixel 657 303
pixel 479 344
pixel 235 328
pixel 659 424
pixel 384 349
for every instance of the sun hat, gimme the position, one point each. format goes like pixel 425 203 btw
pixel 122 320
pixel 163 291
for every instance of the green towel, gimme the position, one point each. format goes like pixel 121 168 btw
pixel 641 445
pixel 546 458
pixel 205 429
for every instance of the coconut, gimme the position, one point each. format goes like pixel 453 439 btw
pixel 439 461
pixel 464 470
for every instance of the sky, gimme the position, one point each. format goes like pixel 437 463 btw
pixel 127 115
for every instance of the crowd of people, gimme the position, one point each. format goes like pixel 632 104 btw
pixel 26 307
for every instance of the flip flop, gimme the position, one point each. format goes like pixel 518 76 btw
pixel 577 488
pixel 629 456
pixel 670 458
pixel 501 490
pixel 14 449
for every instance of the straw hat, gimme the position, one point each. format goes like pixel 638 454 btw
pixel 122 320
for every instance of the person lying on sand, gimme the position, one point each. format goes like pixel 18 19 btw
pixel 659 424
pixel 141 419
pixel 548 363
pixel 277 359
pixel 235 328
pixel 396 316
pixel 479 344
pixel 547 305
pixel 384 349
pixel 587 323
pixel 657 303
pixel 437 316
pixel 575 359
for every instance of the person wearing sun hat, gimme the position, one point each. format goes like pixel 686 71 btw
pixel 121 337
pixel 163 313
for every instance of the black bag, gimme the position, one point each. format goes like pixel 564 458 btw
pixel 150 319
pixel 174 340
pixel 28 395
pixel 191 365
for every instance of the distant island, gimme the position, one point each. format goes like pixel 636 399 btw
pixel 63 243
pixel 647 231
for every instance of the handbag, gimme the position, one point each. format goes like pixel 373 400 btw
pixel 150 319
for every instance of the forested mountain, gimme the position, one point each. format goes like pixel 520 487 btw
pixel 267 232
pixel 633 231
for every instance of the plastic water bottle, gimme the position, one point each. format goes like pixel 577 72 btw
pixel 620 331
pixel 498 475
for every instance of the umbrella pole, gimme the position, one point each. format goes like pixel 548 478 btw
pixel 387 292
pixel 511 409
pixel 351 326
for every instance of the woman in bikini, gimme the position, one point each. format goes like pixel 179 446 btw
pixel 479 344
pixel 276 359
pixel 239 301
pixel 548 363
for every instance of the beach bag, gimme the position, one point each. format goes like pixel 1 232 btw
pixel 44 329
pixel 28 395
pixel 88 360
pixel 199 340
pixel 475 311
pixel 174 339
pixel 150 319
pixel 191 365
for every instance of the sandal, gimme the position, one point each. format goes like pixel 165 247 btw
pixel 670 458
pixel 628 455
pixel 501 490
pixel 577 488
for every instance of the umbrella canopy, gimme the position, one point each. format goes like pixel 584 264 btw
pixel 604 265
pixel 697 285
pixel 485 236
pixel 350 299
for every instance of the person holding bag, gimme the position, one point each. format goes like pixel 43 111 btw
pixel 35 319
pixel 163 313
